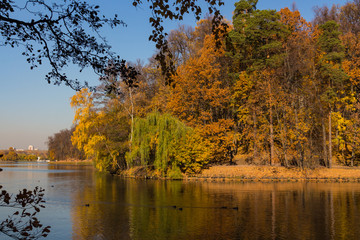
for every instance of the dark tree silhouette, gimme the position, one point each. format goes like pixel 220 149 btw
pixel 68 31
pixel 23 223
pixel 57 33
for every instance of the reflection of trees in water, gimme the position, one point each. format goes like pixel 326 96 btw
pixel 106 215
pixel 139 209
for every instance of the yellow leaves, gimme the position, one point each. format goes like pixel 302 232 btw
pixel 243 87
pixel 82 102
pixel 87 121
pixel 90 147
pixel 339 121
pixel 194 153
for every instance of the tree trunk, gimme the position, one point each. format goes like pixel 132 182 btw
pixel 298 144
pixel 284 142
pixel 352 156
pixel 271 128
pixel 285 151
pixel 132 120
pixel 330 144
pixel 325 156
pixel 255 136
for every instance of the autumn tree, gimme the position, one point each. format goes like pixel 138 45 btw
pixel 295 126
pixel 61 148
pixel 200 95
pixel 255 45
pixel 349 152
pixel 100 132
pixel 11 155
pixel 331 75
pixel 163 142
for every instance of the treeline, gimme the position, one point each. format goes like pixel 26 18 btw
pixel 278 90
pixel 12 155
pixel 61 148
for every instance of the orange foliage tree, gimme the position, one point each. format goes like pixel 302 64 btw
pixel 200 96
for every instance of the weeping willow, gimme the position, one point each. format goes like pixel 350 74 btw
pixel 155 140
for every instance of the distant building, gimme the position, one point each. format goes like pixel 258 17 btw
pixel 31 148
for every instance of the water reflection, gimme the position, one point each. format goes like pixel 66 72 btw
pixel 136 209
pixel 84 204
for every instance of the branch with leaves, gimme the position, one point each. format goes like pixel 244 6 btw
pixel 23 224
pixel 57 33
pixel 176 10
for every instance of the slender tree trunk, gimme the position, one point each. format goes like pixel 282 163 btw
pixel 337 147
pixel 352 155
pixel 283 132
pixel 132 121
pixel 255 137
pixel 330 144
pixel 353 146
pixel 271 139
pixel 271 128
pixel 325 156
pixel 298 148
pixel 285 147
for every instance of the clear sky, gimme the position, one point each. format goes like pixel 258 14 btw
pixel 31 110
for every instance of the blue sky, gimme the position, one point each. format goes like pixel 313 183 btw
pixel 31 110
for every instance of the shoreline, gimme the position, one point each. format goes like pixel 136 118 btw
pixel 72 162
pixel 249 173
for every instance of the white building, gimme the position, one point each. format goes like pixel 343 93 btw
pixel 31 148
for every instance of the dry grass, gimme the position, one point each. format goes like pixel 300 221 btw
pixel 267 173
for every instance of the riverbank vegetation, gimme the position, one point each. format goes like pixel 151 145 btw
pixel 278 89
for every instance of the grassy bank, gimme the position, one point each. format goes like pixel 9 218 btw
pixel 260 173
pixel 267 173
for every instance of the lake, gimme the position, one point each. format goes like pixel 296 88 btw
pixel 154 209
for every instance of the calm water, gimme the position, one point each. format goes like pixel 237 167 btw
pixel 139 209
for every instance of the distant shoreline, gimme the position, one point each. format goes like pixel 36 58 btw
pixel 72 162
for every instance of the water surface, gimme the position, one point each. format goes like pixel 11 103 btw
pixel 153 209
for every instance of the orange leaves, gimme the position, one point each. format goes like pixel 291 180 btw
pixel 201 97
pixel 199 91
pixel 352 64
pixel 221 139
pixel 294 21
